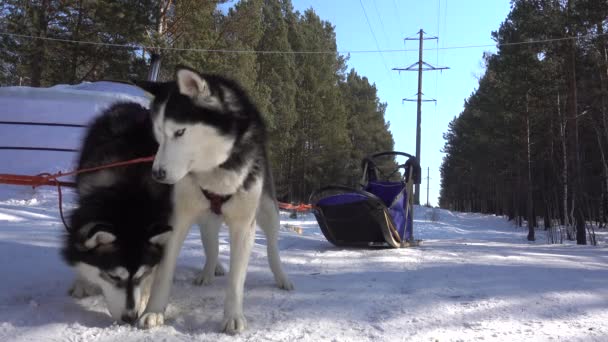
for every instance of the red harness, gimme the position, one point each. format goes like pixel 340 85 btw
pixel 216 201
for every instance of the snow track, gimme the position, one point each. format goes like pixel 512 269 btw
pixel 474 278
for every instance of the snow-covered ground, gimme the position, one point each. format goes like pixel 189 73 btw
pixel 475 277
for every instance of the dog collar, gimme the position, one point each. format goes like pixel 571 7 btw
pixel 216 200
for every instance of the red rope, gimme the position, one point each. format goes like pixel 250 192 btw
pixel 106 166
pixel 65 224
pixel 300 207
pixel 51 179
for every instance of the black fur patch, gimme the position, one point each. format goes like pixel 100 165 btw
pixel 133 207
pixel 122 132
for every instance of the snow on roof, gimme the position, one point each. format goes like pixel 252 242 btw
pixel 73 104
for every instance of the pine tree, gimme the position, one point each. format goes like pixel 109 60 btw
pixel 531 140
pixel 321 122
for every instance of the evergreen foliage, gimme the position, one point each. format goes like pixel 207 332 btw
pixel 321 120
pixel 532 139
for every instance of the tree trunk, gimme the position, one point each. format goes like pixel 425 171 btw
pixel 562 131
pixel 40 24
pixel 547 215
pixel 76 49
pixel 529 204
pixel 603 66
pixel 574 156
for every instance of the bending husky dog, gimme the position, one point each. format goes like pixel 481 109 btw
pixel 212 146
pixel 120 225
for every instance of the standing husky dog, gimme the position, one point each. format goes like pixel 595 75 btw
pixel 212 147
pixel 120 225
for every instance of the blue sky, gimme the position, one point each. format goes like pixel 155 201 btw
pixel 457 23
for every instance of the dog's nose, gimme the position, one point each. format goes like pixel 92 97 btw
pixel 129 317
pixel 159 174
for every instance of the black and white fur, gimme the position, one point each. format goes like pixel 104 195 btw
pixel 120 225
pixel 212 137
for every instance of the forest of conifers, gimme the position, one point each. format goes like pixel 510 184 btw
pixel 322 118
pixel 532 140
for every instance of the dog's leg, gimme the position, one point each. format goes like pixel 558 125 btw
pixel 210 228
pixel 242 233
pixel 181 221
pixel 268 220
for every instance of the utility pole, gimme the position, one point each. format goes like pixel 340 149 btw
pixel 428 179
pixel 154 66
pixel 421 66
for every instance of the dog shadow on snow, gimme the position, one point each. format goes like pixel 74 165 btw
pixel 34 289
pixel 198 309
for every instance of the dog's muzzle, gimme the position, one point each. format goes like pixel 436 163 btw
pixel 159 174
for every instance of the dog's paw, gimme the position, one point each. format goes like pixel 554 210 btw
pixel 207 277
pixel 82 289
pixel 204 279
pixel 234 324
pixel 219 270
pixel 150 320
pixel 284 283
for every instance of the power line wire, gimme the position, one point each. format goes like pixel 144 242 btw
pixel 375 40
pixel 445 22
pixel 390 74
pixel 381 23
pixel 387 37
pixel 438 32
pixel 437 53
pixel 397 14
pixel 458 47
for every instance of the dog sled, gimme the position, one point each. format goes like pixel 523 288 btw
pixel 377 214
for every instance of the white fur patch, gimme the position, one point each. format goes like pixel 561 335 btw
pixel 221 181
pixel 191 84
pixel 85 229
pixel 119 272
pixel 158 122
pixel 194 86
pixel 161 239
pixel 89 273
pixel 99 238
pixel 140 271
pixel 210 102
pixel 116 297
pixel 201 148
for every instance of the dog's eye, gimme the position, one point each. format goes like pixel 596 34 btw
pixel 179 133
pixel 113 278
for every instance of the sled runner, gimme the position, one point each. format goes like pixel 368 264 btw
pixel 378 214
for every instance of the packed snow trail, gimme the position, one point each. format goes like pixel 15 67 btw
pixel 475 277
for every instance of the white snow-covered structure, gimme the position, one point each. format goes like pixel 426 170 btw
pixel 62 104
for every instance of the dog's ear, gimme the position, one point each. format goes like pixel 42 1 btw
pixel 159 234
pixel 191 84
pixel 154 88
pixel 96 234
